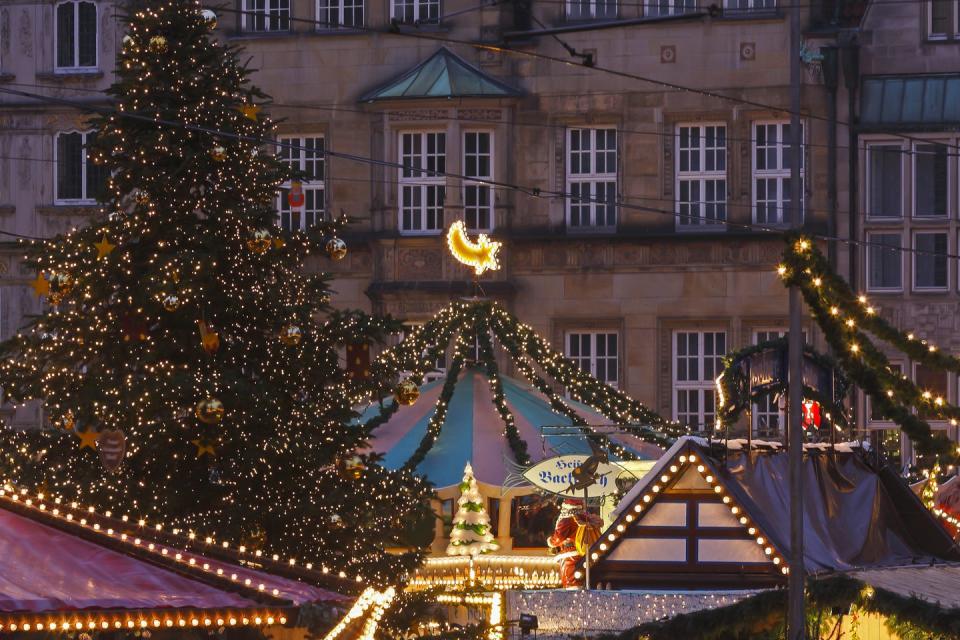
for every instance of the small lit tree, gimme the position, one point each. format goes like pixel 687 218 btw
pixel 471 525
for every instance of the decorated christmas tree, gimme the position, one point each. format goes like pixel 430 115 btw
pixel 471 525
pixel 186 360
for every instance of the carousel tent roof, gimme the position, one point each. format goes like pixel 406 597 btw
pixel 63 564
pixel 473 430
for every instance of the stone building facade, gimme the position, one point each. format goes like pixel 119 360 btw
pixel 648 292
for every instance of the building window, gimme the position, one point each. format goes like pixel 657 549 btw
pixel 532 520
pixel 930 180
pixel 872 409
pixel 885 181
pixel 592 178
pixel 478 165
pixel 771 172
pixel 701 175
pixel 305 155
pixel 76 35
pixel 930 261
pixel 78 179
pixel 415 11
pixel 591 9
pixel 736 6
pixel 884 262
pixel 669 7
pixel 937 382
pixel 424 159
pixel 943 19
pixel 266 15
pixel 696 364
pixel 446 516
pixel 439 368
pixel 493 510
pixel 339 14
pixel 768 418
pixel 596 353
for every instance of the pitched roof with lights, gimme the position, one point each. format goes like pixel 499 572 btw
pixel 68 568
pixel 718 517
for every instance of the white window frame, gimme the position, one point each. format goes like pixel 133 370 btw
pixel 869 401
pixel 780 173
pixel 592 178
pixel 903 267
pixel 868 200
pixel 272 11
pixel 955 14
pixel 480 182
pixel 913 276
pixel 423 183
pixel 592 12
pixel 76 38
pixel 313 186
pixel 752 5
pixel 85 198
pixel 342 10
pixel 593 359
pixel 701 177
pixel 939 422
pixel 755 408
pixel 700 386
pixel 947 215
pixel 434 374
pixel 653 8
pixel 420 9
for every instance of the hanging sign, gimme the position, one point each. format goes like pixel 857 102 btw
pixel 556 476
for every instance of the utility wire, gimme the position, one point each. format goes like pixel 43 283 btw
pixel 532 191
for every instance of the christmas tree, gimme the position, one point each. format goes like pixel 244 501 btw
pixel 471 525
pixel 187 361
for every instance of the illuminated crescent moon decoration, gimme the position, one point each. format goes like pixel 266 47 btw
pixel 480 256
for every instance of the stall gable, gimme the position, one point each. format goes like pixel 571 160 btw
pixel 683 530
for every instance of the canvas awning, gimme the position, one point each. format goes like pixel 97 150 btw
pixel 910 102
pixel 935 584
pixel 65 565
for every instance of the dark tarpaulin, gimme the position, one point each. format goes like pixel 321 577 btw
pixel 854 517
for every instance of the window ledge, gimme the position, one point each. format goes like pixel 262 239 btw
pixel 7 209
pixel 429 27
pixel 343 31
pixel 68 209
pixel 935 40
pixel 260 35
pixel 750 14
pixel 7 77
pixel 71 74
pixel 591 231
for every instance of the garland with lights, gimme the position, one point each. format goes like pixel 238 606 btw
pixel 735 394
pixel 763 616
pixel 187 361
pixel 480 322
pixel 845 319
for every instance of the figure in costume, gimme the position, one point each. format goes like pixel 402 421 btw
pixel 574 532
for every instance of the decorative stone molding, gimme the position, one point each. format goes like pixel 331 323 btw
pixel 419 263
pixel 480 114
pixel 418 115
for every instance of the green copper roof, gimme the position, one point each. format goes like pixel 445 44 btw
pixel 911 100
pixel 442 75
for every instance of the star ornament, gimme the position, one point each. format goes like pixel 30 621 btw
pixel 88 438
pixel 250 110
pixel 203 448
pixel 104 247
pixel 41 286
pixel 480 255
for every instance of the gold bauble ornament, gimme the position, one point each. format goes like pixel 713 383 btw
pixel 210 18
pixel 407 392
pixel 352 468
pixel 209 411
pixel 68 421
pixel 336 248
pixel 260 242
pixel 158 44
pixel 171 302
pixel 291 335
pixel 218 153
pixel 61 284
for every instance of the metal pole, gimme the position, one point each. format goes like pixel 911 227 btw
pixel 586 556
pixel 796 623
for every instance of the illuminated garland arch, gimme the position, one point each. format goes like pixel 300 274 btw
pixel 480 321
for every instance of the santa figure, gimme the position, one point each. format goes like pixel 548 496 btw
pixel 568 545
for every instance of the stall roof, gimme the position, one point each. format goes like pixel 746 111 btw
pixel 63 565
pixel 936 584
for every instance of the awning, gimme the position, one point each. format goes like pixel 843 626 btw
pixel 910 102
